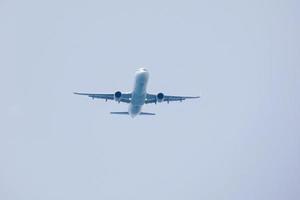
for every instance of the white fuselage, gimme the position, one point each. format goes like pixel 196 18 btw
pixel 139 92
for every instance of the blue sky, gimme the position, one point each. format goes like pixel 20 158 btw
pixel 239 141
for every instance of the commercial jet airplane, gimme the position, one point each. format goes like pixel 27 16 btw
pixel 138 97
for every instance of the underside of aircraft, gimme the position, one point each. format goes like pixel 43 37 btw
pixel 138 97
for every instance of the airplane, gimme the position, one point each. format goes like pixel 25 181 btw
pixel 138 97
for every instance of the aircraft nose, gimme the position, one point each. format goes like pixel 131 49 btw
pixel 142 72
pixel 143 69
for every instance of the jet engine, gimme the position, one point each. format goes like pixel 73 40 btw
pixel 160 97
pixel 118 96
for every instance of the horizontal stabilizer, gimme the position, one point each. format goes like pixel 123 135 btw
pixel 144 113
pixel 119 113
pixel 127 113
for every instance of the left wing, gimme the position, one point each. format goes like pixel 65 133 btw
pixel 152 98
pixel 124 97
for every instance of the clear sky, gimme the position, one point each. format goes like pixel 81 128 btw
pixel 239 141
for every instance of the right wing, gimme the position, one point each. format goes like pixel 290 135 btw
pixel 152 98
pixel 124 98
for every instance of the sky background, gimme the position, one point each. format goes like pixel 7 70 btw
pixel 239 141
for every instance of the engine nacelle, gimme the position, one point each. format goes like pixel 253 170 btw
pixel 118 96
pixel 160 97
